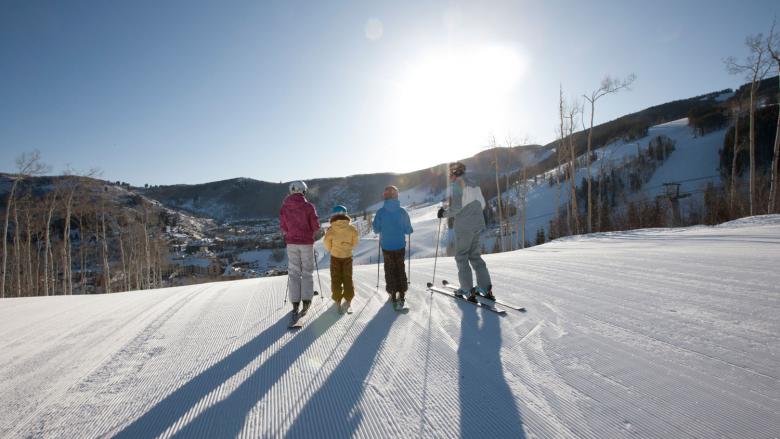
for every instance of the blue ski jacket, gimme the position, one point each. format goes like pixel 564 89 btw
pixel 392 223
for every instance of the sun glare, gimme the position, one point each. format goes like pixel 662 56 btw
pixel 449 102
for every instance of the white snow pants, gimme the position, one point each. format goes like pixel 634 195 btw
pixel 300 264
pixel 468 256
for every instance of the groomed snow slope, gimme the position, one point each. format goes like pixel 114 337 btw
pixel 647 333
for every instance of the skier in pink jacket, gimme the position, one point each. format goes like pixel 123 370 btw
pixel 299 223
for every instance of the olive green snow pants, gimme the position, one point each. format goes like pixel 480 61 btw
pixel 341 279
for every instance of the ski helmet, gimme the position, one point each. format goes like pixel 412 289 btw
pixel 338 209
pixel 298 187
pixel 457 169
pixel 391 192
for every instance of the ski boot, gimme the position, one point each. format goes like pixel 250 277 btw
pixel 305 308
pixel 488 294
pixel 401 300
pixel 473 296
pixel 295 315
pixel 461 293
pixel 394 300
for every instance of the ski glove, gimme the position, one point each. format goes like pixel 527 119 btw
pixel 440 213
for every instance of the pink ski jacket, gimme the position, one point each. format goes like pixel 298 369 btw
pixel 298 220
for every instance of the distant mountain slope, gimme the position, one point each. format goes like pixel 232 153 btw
pixel 646 333
pixel 248 198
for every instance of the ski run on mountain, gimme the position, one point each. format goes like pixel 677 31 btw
pixel 654 333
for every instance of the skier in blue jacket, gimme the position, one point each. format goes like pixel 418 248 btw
pixel 392 224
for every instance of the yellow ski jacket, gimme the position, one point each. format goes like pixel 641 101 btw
pixel 341 237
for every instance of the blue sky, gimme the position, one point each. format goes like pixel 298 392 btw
pixel 194 91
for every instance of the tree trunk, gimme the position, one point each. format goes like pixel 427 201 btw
pixel 17 253
pixel 147 256
pixel 47 247
pixel 28 250
pixel 573 175
pixel 125 277
pixel 66 257
pixel 752 145
pixel 590 139
pixel 772 208
pixel 5 236
pixel 498 192
pixel 106 267
pixel 733 191
pixel 82 256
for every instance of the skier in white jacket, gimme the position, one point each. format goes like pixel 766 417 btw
pixel 466 206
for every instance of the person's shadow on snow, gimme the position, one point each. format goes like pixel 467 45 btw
pixel 332 411
pixel 226 418
pixel 487 405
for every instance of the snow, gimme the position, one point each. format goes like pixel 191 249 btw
pixel 655 333
pixel 694 162
pixel 723 97
pixel 412 197
pixel 263 259
pixel 197 262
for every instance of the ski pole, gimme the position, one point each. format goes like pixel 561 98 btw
pixel 316 264
pixel 286 287
pixel 436 255
pixel 378 255
pixel 409 276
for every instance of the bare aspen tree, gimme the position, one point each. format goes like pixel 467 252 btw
pixel 755 66
pixel 737 109
pixel 773 46
pixel 51 203
pixel 608 85
pixel 604 162
pixel 106 265
pixel 147 265
pixel 522 198
pixel 29 284
pixel 69 192
pixel 26 165
pixel 494 146
pixel 561 152
pixel 79 219
pixel 125 275
pixel 17 266
pixel 571 114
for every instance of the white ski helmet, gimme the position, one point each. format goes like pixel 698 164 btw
pixel 298 187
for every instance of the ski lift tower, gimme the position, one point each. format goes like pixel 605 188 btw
pixel 672 193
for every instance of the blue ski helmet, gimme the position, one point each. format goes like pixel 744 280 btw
pixel 338 209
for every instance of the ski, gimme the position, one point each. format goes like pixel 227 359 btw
pixel 344 308
pixel 296 321
pixel 497 302
pixel 460 297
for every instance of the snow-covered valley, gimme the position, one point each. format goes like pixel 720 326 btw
pixel 667 333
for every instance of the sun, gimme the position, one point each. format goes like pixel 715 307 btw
pixel 449 101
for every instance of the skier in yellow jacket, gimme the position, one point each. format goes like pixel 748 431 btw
pixel 340 239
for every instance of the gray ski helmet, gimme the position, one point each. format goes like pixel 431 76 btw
pixel 298 187
pixel 457 169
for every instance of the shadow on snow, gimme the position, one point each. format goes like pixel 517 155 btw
pixel 487 405
pixel 332 411
pixel 224 418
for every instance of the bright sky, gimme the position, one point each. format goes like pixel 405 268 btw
pixel 166 92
